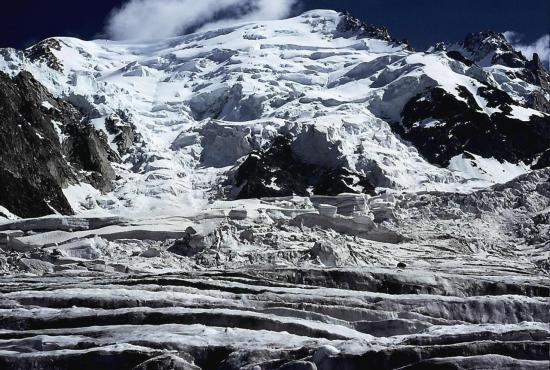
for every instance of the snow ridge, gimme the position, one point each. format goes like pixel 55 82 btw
pixel 200 103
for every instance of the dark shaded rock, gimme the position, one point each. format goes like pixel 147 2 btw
pixel 483 44
pixel 538 101
pixel 33 198
pixel 272 172
pixel 31 160
pixel 493 45
pixel 496 98
pixel 537 73
pixel 342 180
pixel 42 53
pixel 34 164
pixel 463 127
pixel 456 55
pixel 121 126
pixel 509 59
pixel 353 26
pixel 89 151
pixel 543 161
pixel 277 171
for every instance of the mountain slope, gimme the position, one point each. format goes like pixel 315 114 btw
pixel 344 92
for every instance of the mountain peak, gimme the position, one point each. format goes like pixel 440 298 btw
pixel 346 93
pixel 350 24
pixel 492 47
pixel 43 52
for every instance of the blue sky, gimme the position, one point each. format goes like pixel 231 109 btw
pixel 423 22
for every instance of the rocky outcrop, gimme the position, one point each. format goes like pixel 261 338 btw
pixel 45 146
pixel 457 55
pixel 493 45
pixel 120 126
pixel 43 53
pixel 350 25
pixel 32 167
pixel 279 170
pixel 88 150
pixel 537 73
pixel 442 126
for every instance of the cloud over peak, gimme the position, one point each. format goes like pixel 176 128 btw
pixel 152 19
pixel 541 46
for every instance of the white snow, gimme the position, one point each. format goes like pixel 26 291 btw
pixel 5 213
pixel 488 169
pixel 522 113
pixel 202 101
pixel 47 105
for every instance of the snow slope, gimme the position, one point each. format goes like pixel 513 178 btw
pixel 203 101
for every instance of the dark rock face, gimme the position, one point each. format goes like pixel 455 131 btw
pixel 538 75
pixel 543 161
pixel 342 180
pixel 482 44
pixel 33 162
pixel 277 171
pixel 350 25
pixel 538 101
pixel 462 127
pixel 456 55
pixel 442 126
pixel 493 45
pixel 42 52
pixel 121 126
pixel 33 198
pixel 89 151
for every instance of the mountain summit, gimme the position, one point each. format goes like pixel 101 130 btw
pixel 348 97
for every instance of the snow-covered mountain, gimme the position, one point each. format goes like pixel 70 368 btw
pixel 356 106
pixel 301 194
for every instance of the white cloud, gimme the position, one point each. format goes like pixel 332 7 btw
pixel 151 19
pixel 540 46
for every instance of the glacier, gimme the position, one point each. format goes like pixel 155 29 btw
pixel 308 193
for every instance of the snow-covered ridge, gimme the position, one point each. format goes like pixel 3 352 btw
pixel 200 103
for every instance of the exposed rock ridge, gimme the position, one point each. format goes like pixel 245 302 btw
pixel 45 146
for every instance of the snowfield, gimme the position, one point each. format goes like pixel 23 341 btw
pixel 201 102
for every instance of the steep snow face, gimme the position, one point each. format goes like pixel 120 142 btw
pixel 200 103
